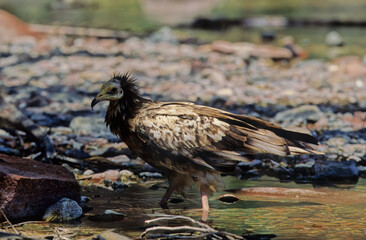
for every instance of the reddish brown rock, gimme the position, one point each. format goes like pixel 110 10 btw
pixel 28 187
pixel 100 177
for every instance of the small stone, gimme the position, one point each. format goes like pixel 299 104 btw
pixel 77 171
pixel 9 151
pixel 354 158
pixel 119 159
pixel 305 167
pixel 146 175
pixel 333 38
pixel 304 113
pixel 84 204
pixel 112 212
pixel 112 175
pixel 119 185
pixel 126 173
pixel 107 182
pixel 165 34
pixel 84 199
pixel 77 153
pixel 63 211
pixel 228 198
pixel 268 36
pixel 225 92
pixel 107 216
pixel 88 172
pixel 244 166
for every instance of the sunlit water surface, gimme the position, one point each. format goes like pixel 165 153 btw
pixel 285 218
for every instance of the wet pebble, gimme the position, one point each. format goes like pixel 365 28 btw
pixel 127 175
pixel 88 172
pixel 305 167
pixel 10 151
pixel 76 153
pixel 228 198
pixel 119 185
pixel 149 175
pixel 107 216
pixel 63 211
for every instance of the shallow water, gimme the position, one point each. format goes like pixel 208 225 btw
pixel 287 218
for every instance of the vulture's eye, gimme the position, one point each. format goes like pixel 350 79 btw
pixel 113 90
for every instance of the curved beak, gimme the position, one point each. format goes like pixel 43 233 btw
pixel 94 102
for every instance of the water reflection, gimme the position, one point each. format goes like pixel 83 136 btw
pixel 287 218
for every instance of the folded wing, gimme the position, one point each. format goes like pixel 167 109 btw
pixel 213 138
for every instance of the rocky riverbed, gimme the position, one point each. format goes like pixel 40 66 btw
pixel 52 80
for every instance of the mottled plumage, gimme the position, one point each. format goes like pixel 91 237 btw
pixel 191 143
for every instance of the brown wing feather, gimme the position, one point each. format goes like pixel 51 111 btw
pixel 211 137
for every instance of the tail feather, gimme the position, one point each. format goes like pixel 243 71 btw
pixel 255 136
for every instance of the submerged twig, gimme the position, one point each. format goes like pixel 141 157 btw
pixel 282 167
pixel 12 226
pixel 67 159
pixel 203 231
pixel 172 217
pixel 27 222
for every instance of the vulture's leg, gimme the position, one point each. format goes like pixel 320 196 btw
pixel 205 206
pixel 168 193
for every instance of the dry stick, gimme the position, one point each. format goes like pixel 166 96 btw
pixel 207 229
pixel 27 222
pixel 202 236
pixel 172 217
pixel 174 229
pixel 282 167
pixel 1 210
pixel 59 235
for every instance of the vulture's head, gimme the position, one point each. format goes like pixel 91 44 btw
pixel 119 87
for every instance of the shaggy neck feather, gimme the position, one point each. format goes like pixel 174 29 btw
pixel 119 112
